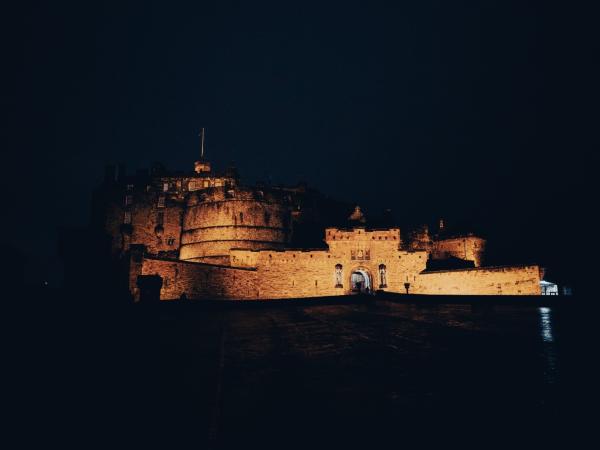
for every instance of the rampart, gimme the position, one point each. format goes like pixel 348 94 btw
pixel 470 248
pixel 217 220
pixel 513 280
pixel 197 280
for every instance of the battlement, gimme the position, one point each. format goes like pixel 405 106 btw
pixel 362 234
pixel 228 193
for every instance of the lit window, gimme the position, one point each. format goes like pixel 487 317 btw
pixel 206 183
pixel 171 241
pixel 192 186
pixel 161 201
pixel 165 187
pixel 128 200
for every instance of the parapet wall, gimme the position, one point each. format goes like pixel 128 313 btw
pixel 334 236
pixel 518 280
pixel 290 274
pixel 197 280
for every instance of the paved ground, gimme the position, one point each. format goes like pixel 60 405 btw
pixel 359 373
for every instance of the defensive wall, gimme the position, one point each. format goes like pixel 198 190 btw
pixel 511 280
pixel 470 248
pixel 290 273
pixel 199 280
pixel 217 220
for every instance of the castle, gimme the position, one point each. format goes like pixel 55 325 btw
pixel 207 236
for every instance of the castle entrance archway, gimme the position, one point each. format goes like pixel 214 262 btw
pixel 360 281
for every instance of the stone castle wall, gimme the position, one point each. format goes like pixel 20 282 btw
pixel 470 248
pixel 289 274
pixel 523 280
pixel 197 280
pixel 270 274
pixel 217 220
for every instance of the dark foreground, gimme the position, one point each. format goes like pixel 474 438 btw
pixel 372 372
pixel 98 372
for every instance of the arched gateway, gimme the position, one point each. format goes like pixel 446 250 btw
pixel 360 281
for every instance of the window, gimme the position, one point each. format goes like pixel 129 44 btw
pixel 192 186
pixel 127 217
pixel 161 201
pixel 241 217
pixel 130 187
pixel 267 218
pixel 165 187
pixel 206 183
pixel 160 218
pixel 128 200
pixel 170 241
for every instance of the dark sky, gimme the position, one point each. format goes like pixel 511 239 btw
pixel 480 112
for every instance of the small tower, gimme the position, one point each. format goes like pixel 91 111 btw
pixel 357 216
pixel 202 166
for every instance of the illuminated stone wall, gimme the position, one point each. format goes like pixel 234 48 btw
pixel 305 273
pixel 270 274
pixel 469 248
pixel 200 280
pixel 217 220
pixel 517 280
pixel 368 249
pixel 148 210
pixel 156 223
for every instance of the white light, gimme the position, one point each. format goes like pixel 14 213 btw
pixel 546 324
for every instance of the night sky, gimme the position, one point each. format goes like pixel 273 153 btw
pixel 484 113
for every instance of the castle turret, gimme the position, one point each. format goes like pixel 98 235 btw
pixel 357 216
pixel 221 218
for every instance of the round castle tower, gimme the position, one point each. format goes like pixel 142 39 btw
pixel 221 218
